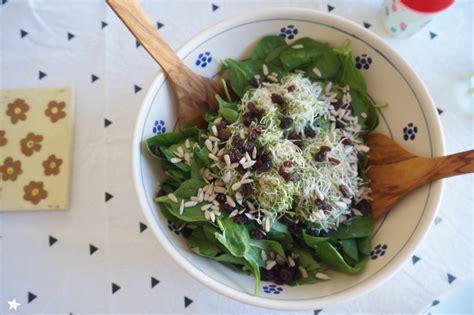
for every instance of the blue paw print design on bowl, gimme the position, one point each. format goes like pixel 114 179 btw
pixel 288 32
pixel 363 62
pixel 204 59
pixel 159 127
pixel 272 288
pixel 409 132
pixel 378 251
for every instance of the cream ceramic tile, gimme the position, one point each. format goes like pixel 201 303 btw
pixel 36 136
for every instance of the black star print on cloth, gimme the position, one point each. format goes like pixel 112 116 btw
pixel 52 240
pixel 31 297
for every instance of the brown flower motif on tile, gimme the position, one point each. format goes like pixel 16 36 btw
pixel 55 111
pixel 34 192
pixel 10 169
pixel 17 110
pixel 31 143
pixel 51 165
pixel 3 139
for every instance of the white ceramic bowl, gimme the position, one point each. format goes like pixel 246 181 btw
pixel 411 119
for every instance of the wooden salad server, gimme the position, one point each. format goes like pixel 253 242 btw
pixel 394 172
pixel 195 94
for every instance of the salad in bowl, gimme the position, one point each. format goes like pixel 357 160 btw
pixel 275 186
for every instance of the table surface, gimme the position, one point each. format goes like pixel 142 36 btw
pixel 69 261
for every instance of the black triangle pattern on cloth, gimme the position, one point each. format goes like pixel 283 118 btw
pixel 367 25
pixel 187 301
pixel 94 78
pixel 92 249
pixel 4 1
pixel 23 33
pixel 143 227
pixel 159 25
pixel 115 288
pixel 41 74
pixel 107 122
pixel 137 44
pixel 70 36
pixel 108 196
pixel 415 259
pixel 52 240
pixel 214 7
pixel 154 282
pixel 433 35
pixel 31 297
pixel 435 302
pixel 330 8
pixel 136 88
pixel 440 111
pixel 316 312
pixel 103 24
pixel 451 278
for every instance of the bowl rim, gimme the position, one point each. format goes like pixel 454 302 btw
pixel 357 290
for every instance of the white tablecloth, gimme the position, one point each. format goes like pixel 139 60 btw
pixel 104 245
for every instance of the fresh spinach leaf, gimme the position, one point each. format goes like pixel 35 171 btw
pixel 292 58
pixel 307 261
pixel 203 155
pixel 362 105
pixel 191 214
pixel 165 139
pixel 285 239
pixel 354 228
pixel 315 241
pixel 364 245
pixel 229 115
pixel 328 64
pixel 233 236
pixel 201 245
pixel 210 115
pixel 168 153
pixel 267 45
pixel 177 174
pixel 349 247
pixel 253 265
pixel 268 246
pixel 189 188
pixel 331 257
pixel 348 74
pixel 241 72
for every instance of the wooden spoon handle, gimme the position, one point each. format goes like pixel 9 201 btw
pixel 452 165
pixel 139 24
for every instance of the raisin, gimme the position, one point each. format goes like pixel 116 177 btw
pixel 320 156
pixel 221 198
pixel 344 191
pixel 253 134
pixel 241 219
pixel 334 161
pixel 287 163
pixel 364 206
pixel 257 234
pixel 155 149
pixel 323 204
pixel 186 232
pixel 266 166
pixel 291 88
pixel 249 147
pixel 224 134
pixel 295 177
pixel 340 125
pixel 277 99
pixel 254 82
pixel 235 155
pixel 247 119
pixel 324 148
pixel 286 122
pixel 227 208
pixel 246 189
pixel 310 132
pixel 254 110
pixel 347 141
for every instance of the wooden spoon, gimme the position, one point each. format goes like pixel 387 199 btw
pixel 394 172
pixel 195 94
